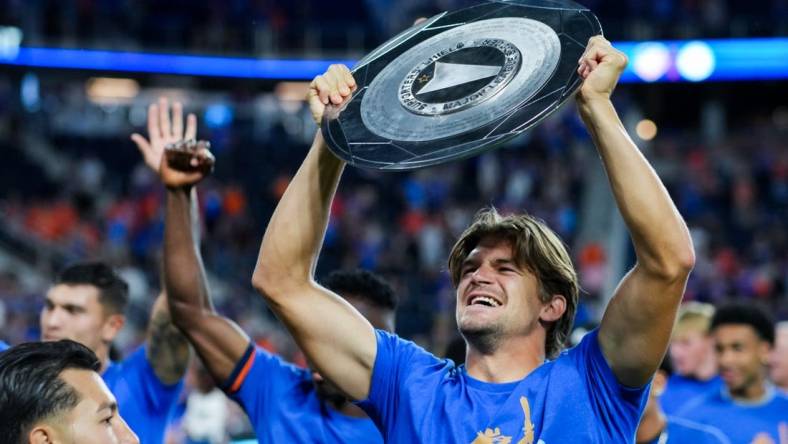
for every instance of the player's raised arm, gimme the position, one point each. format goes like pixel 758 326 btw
pixel 216 339
pixel 167 349
pixel 337 339
pixel 637 323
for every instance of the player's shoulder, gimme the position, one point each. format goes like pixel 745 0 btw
pixel 577 356
pixel 780 401
pixel 395 350
pixel 704 405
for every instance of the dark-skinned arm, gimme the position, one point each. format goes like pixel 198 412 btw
pixel 216 339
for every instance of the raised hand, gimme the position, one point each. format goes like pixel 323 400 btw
pixel 600 68
pixel 187 161
pixel 163 130
pixel 335 86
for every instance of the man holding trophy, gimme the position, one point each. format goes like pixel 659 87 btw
pixel 451 87
pixel 516 294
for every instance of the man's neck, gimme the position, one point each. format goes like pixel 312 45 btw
pixel 651 425
pixel 512 360
pixel 102 353
pixel 753 392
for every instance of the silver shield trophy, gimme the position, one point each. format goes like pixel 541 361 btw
pixel 460 83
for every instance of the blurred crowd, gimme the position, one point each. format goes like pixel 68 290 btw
pixel 311 26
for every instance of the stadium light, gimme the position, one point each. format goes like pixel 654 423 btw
pixel 651 61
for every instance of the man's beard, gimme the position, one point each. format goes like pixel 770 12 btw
pixel 485 339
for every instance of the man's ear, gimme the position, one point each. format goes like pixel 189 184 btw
pixel 41 434
pixel 553 310
pixel 112 326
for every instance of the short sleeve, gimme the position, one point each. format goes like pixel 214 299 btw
pixel 618 407
pixel 259 379
pixel 394 361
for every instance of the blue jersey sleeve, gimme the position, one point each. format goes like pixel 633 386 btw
pixel 157 396
pixel 617 406
pixel 394 359
pixel 259 379
pixel 143 400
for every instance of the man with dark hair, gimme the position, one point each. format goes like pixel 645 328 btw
pixel 50 392
pixel 656 427
pixel 748 407
pixel 284 403
pixel 362 284
pixel 87 303
pixel 516 294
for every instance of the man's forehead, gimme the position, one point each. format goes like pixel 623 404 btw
pixel 735 332
pixel 380 317
pixel 687 333
pixel 496 245
pixel 92 390
pixel 66 293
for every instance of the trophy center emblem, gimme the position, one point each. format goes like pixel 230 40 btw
pixel 459 76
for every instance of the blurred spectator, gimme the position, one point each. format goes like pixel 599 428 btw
pixel 748 408
pixel 778 360
pixel 658 428
pixel 692 354
pixel 207 414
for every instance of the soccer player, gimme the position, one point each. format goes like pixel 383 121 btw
pixel 516 297
pixel 656 427
pixel 86 304
pixel 748 407
pixel 51 392
pixel 778 361
pixel 692 354
pixel 284 403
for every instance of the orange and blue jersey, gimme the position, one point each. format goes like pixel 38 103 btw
pixel 282 404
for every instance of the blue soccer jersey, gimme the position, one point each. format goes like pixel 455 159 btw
pixel 143 400
pixel 683 431
pixel 283 405
pixel 739 421
pixel 3 346
pixel 415 397
pixel 681 389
